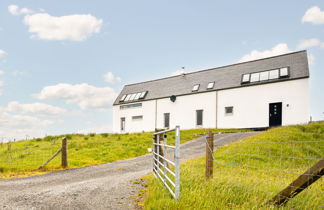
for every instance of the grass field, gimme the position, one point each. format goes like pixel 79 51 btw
pixel 248 173
pixel 25 157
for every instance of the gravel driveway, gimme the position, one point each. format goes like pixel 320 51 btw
pixel 105 186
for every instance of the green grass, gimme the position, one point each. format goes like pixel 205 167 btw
pixel 83 150
pixel 248 173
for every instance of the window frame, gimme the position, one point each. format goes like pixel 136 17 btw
pixel 229 113
pixel 128 106
pixel 283 76
pixel 195 89
pixel 243 81
pixel 212 85
pixel 143 95
pixel 273 70
pixel 137 117
pixel 255 73
pixel 122 124
pixel 166 123
pixel 199 122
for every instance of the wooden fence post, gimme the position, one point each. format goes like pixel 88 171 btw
pixel 64 153
pixel 209 154
pixel 302 182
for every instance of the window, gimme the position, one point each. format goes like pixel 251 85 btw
pixel 143 94
pixel 166 120
pixel 229 110
pixel 274 74
pixel 246 78
pixel 264 75
pixel 130 106
pixel 122 123
pixel 139 117
pixel 195 88
pixel 199 117
pixel 210 85
pixel 255 77
pixel 137 96
pixel 132 97
pixel 127 97
pixel 284 72
pixel 122 98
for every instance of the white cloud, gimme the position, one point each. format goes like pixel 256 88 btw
pixel 14 10
pixel 2 53
pixel 1 72
pixel 2 83
pixel 110 78
pixel 279 49
pixel 76 27
pixel 85 95
pixel 18 126
pixel 178 72
pixel 34 108
pixel 308 43
pixel 314 15
pixel 102 129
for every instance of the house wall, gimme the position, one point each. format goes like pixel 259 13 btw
pixel 183 110
pixel 146 124
pixel 251 108
pixel 251 104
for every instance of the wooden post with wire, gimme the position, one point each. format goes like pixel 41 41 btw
pixel 64 153
pixel 209 154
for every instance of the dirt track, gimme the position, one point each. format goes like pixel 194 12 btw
pixel 105 186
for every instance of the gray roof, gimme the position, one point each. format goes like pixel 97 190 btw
pixel 225 77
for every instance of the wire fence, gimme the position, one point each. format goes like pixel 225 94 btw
pixel 21 157
pixel 269 167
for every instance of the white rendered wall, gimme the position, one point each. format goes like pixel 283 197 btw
pixel 183 110
pixel 251 104
pixel 146 124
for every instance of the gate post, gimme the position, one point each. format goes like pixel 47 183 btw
pixel 209 154
pixel 177 163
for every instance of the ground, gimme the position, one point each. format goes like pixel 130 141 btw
pixel 106 186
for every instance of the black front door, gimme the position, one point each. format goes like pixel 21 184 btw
pixel 275 114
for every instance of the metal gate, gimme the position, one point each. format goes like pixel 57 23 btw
pixel 165 168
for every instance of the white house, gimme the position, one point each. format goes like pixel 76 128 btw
pixel 256 94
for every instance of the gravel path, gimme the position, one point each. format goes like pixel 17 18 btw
pixel 105 186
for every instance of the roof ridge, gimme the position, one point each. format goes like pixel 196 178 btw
pixel 210 69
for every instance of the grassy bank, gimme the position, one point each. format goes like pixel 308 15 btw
pixel 25 157
pixel 248 173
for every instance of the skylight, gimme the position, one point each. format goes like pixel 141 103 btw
pixel 210 85
pixel 255 77
pixel 246 78
pixel 143 94
pixel 195 88
pixel 284 72
pixel 274 74
pixel 127 97
pixel 137 96
pixel 265 75
pixel 132 97
pixel 123 98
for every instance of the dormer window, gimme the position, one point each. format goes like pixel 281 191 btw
pixel 210 85
pixel 195 88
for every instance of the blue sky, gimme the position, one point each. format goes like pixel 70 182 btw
pixel 63 62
